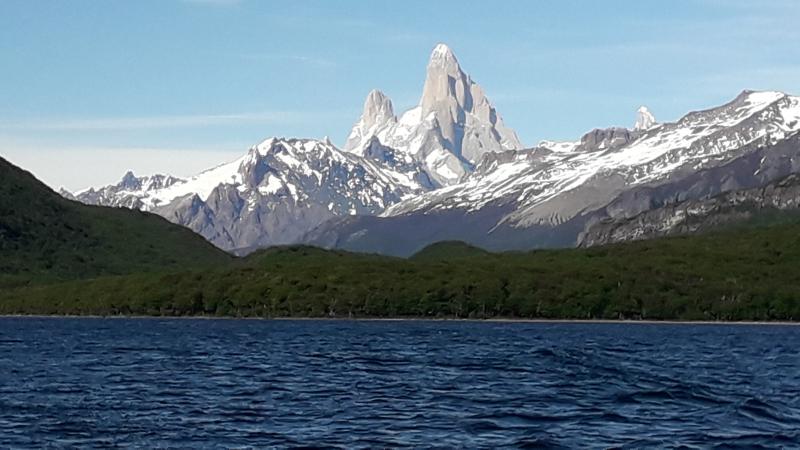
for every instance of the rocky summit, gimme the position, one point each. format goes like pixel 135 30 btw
pixel 450 129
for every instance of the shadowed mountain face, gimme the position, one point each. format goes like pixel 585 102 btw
pixel 43 235
pixel 773 201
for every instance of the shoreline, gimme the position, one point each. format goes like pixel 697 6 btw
pixel 409 319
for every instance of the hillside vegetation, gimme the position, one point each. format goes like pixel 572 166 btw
pixel 44 237
pixel 736 274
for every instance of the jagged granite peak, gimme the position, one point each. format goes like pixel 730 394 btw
pixel 378 107
pixel 377 113
pixel 448 132
pixel 445 82
pixel 443 56
pixel 644 119
pixel 129 181
pixel 451 95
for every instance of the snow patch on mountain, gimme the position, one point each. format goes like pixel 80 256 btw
pixel 560 147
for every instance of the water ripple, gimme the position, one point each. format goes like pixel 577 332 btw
pixel 152 383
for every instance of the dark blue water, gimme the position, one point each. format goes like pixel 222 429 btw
pixel 151 383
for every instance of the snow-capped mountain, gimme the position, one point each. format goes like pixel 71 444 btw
pixel 546 196
pixel 131 192
pixel 453 126
pixel 277 191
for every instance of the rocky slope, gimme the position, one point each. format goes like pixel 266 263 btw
pixel 693 216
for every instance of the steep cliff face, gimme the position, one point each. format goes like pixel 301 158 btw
pixel 450 130
pixel 692 216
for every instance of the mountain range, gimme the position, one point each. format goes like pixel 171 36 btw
pixel 449 169
pixel 58 257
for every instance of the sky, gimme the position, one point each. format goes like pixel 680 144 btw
pixel 90 89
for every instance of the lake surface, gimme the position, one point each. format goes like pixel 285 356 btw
pixel 185 383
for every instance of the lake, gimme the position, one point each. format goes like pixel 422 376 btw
pixel 194 383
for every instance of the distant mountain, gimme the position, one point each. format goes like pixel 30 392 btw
pixel 545 197
pixel 45 236
pixel 275 193
pixel 700 215
pixel 131 192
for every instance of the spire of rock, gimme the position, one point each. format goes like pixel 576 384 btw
pixel 377 113
pixel 451 129
pixel 445 82
pixel 644 119
pixel 66 194
pixel 443 55
pixel 377 108
pixel 451 95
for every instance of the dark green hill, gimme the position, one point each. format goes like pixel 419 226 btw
pixel 449 250
pixel 44 236
pixel 735 274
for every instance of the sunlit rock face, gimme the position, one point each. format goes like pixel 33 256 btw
pixel 453 126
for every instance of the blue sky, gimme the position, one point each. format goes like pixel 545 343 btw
pixel 89 89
